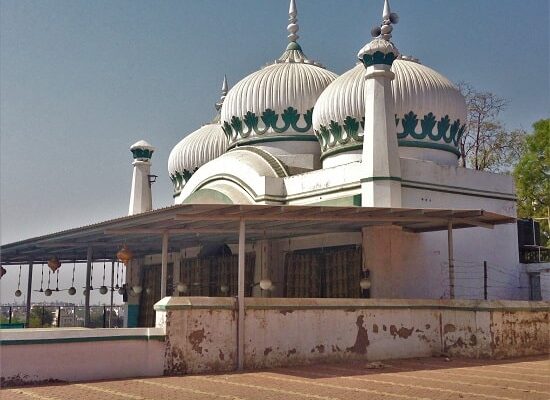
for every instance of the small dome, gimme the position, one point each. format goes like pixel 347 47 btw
pixel 195 150
pixel 430 112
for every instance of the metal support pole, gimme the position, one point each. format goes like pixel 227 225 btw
pixel 112 292
pixel 87 297
pixel 59 316
pixel 9 316
pixel 240 295
pixel 485 279
pixel 29 295
pixel 451 261
pixel 164 272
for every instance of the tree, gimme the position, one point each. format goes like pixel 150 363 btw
pixel 40 317
pixel 532 175
pixel 486 145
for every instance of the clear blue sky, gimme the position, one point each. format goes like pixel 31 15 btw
pixel 81 81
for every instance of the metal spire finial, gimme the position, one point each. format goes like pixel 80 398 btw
pixel 224 93
pixel 292 27
pixel 387 12
pixel 388 18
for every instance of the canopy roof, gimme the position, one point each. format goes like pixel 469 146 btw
pixel 191 225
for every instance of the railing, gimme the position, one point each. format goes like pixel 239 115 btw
pixel 534 254
pixel 43 316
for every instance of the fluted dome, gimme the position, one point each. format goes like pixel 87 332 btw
pixel 195 150
pixel 430 111
pixel 276 102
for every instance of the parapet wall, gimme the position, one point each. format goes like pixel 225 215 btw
pixel 201 332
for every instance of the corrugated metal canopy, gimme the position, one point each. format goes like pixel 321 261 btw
pixel 191 225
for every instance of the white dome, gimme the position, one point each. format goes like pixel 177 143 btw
pixel 416 88
pixel 276 102
pixel 195 150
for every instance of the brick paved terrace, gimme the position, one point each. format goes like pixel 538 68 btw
pixel 426 379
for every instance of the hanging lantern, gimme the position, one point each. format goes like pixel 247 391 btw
pixel 182 287
pixel 48 292
pixel 72 291
pixel 121 291
pixel 265 284
pixel 224 289
pixel 2 271
pixel 54 263
pixel 85 292
pixel 125 255
pixel 137 289
pixel 18 293
pixel 103 289
pixel 365 283
pixel 148 290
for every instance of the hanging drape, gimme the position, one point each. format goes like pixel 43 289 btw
pixel 323 272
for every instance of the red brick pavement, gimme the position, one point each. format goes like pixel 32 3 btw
pixel 416 379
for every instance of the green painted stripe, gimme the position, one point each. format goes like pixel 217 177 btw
pixel 456 187
pixel 160 338
pixel 293 138
pixel 457 192
pixel 381 178
pixel 342 149
pixel 429 145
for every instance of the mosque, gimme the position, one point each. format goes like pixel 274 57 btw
pixel 317 218
pixel 385 133
pixel 382 138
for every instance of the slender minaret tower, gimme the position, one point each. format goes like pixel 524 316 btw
pixel 141 199
pixel 381 183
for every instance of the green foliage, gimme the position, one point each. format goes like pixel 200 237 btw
pixel 532 175
pixel 40 318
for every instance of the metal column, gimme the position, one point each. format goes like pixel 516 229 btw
pixel 112 292
pixel 164 272
pixel 29 296
pixel 451 261
pixel 87 297
pixel 240 296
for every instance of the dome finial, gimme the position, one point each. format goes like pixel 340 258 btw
pixel 388 18
pixel 224 93
pixel 292 27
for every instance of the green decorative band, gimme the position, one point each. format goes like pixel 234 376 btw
pixel 429 145
pixel 267 139
pixel 335 134
pixel 444 129
pixel 378 58
pixel 381 178
pixel 81 339
pixel 336 138
pixel 179 179
pixel 251 124
pixel 142 153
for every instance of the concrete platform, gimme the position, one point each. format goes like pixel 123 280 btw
pixel 418 379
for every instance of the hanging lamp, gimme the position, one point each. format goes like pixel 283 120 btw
pixel 18 291
pixel 72 289
pixel 125 255
pixel 103 289
pixel 54 263
pixel 48 291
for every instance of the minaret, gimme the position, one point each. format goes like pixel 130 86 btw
pixel 225 89
pixel 381 183
pixel 141 199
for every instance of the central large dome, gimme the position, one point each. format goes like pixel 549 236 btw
pixel 273 107
pixel 276 102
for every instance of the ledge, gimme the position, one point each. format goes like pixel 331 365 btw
pixel 259 303
pixel 196 303
pixel 76 335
